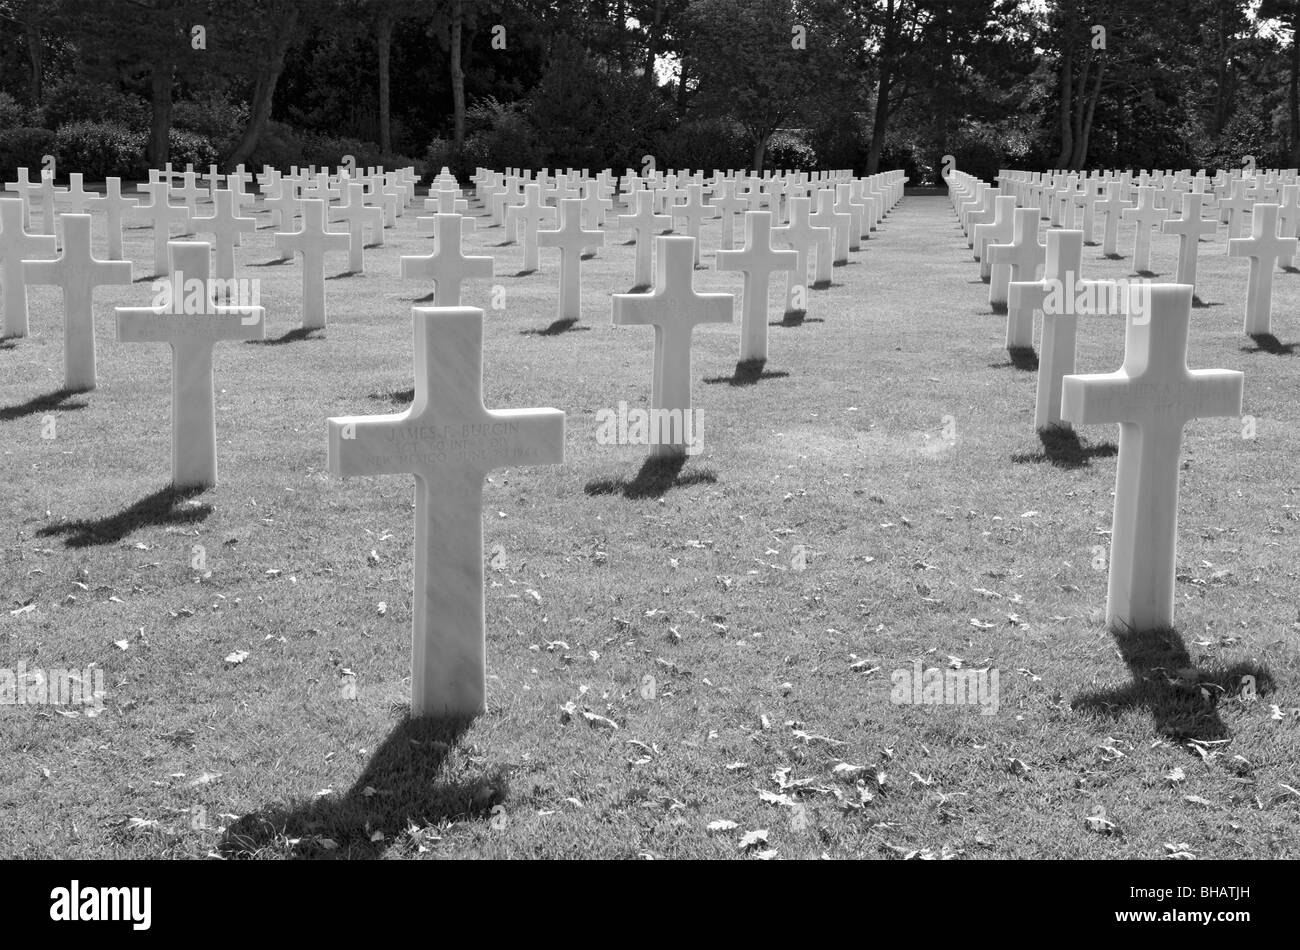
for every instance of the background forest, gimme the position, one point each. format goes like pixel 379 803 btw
pixel 110 87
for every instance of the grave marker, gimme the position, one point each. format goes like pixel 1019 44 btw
pixel 757 260
pixel 191 337
pixel 17 246
pixel 571 240
pixel 449 441
pixel 674 309
pixel 77 273
pixel 1152 397
pixel 313 241
pixel 446 266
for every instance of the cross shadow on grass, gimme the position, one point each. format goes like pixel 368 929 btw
pixel 1268 343
pixel 1062 448
pixel 291 336
pixel 999 308
pixel 164 507
pixel 279 261
pixel 1181 698
pixel 748 372
pixel 346 273
pixel 8 343
pixel 658 474
pixel 640 289
pixel 405 783
pixel 1021 357
pixel 1199 304
pixel 565 325
pixel 403 397
pixel 525 273
pixel 794 318
pixel 56 401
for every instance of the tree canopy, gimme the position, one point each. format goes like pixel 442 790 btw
pixel 866 84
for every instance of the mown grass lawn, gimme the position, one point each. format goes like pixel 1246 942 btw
pixel 827 535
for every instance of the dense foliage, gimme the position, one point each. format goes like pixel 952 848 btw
pixel 112 85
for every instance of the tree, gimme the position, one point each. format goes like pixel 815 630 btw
pixel 283 17
pixel 756 63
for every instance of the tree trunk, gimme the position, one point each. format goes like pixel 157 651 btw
pixel 457 75
pixel 1067 91
pixel 35 56
pixel 264 94
pixel 1080 157
pixel 160 123
pixel 760 151
pixel 879 122
pixel 384 42
pixel 652 47
pixel 681 88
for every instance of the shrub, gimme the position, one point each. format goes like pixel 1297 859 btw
pixel 214 117
pixel 189 148
pixel 102 149
pixel 703 144
pixel 279 146
pixel 498 136
pixel 789 151
pixel 12 112
pixel 75 100
pixel 24 147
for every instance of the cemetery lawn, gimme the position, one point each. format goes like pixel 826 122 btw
pixel 666 649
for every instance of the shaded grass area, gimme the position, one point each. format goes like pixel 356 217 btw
pixel 665 641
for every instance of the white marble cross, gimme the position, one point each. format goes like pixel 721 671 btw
pixel 840 224
pixel 446 266
pixel 1288 219
pixel 1146 216
pixel 1062 297
pixel 27 190
pixel 844 204
pixel 571 240
pixel 1233 208
pixel 225 225
pixel 191 191
pixel 112 204
pixel 192 323
pixel 359 216
pixel 531 215
pixel 693 211
pixel 285 205
pixel 1152 397
pixel 1189 229
pixel 1017 261
pixel 313 242
pixel 17 246
pixel 646 223
pixel 800 235
pixel 449 441
pixel 77 273
pixel 757 260
pixel 674 309
pixel 77 196
pixel 1112 208
pixel 728 203
pixel 47 192
pixel 1000 230
pixel 161 214
pixel 1265 249
pixel 594 205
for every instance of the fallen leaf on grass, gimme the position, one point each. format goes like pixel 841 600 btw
pixel 722 824
pixel 752 839
pixel 239 656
